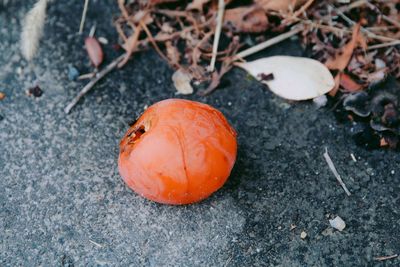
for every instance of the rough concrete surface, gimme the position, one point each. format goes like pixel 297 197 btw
pixel 63 203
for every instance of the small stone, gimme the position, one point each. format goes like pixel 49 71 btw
pixel 19 71
pixel 103 40
pixel 73 73
pixel 303 235
pixel 338 223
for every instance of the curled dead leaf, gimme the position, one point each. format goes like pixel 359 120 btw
pixel 246 19
pixel 342 58
pixel 295 78
pixel 182 79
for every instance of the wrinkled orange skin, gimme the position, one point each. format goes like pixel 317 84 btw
pixel 185 153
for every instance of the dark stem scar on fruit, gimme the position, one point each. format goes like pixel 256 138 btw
pixel 135 135
pixel 138 131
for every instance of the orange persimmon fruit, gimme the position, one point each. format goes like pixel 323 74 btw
pixel 178 152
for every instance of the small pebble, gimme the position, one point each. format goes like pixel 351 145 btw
pixel 19 71
pixel 338 223
pixel 303 235
pixel 73 73
pixel 35 91
pixel 103 40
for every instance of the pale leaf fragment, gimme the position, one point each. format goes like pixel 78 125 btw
pixel 294 78
pixel 182 79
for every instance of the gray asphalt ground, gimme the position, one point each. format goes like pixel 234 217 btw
pixel 63 203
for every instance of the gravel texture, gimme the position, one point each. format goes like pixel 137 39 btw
pixel 63 203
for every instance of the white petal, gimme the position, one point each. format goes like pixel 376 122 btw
pixel 295 78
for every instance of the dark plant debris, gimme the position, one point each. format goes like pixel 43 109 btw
pixel 35 91
pixel 358 41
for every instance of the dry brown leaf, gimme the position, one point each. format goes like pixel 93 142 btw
pixel 173 54
pixel 246 19
pixel 280 5
pixel 383 143
pixel 197 5
pixel 349 84
pixel 342 58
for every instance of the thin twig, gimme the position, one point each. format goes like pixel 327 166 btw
pixel 268 43
pixel 392 21
pixel 131 45
pixel 199 44
pixel 394 43
pixel 384 17
pixel 152 41
pixel 86 76
pixel 220 19
pixel 298 12
pixel 121 5
pixel 171 13
pixel 97 78
pixel 95 243
pixel 121 32
pixel 383 258
pixel 355 4
pixel 334 171
pixel 85 8
pixel 367 32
